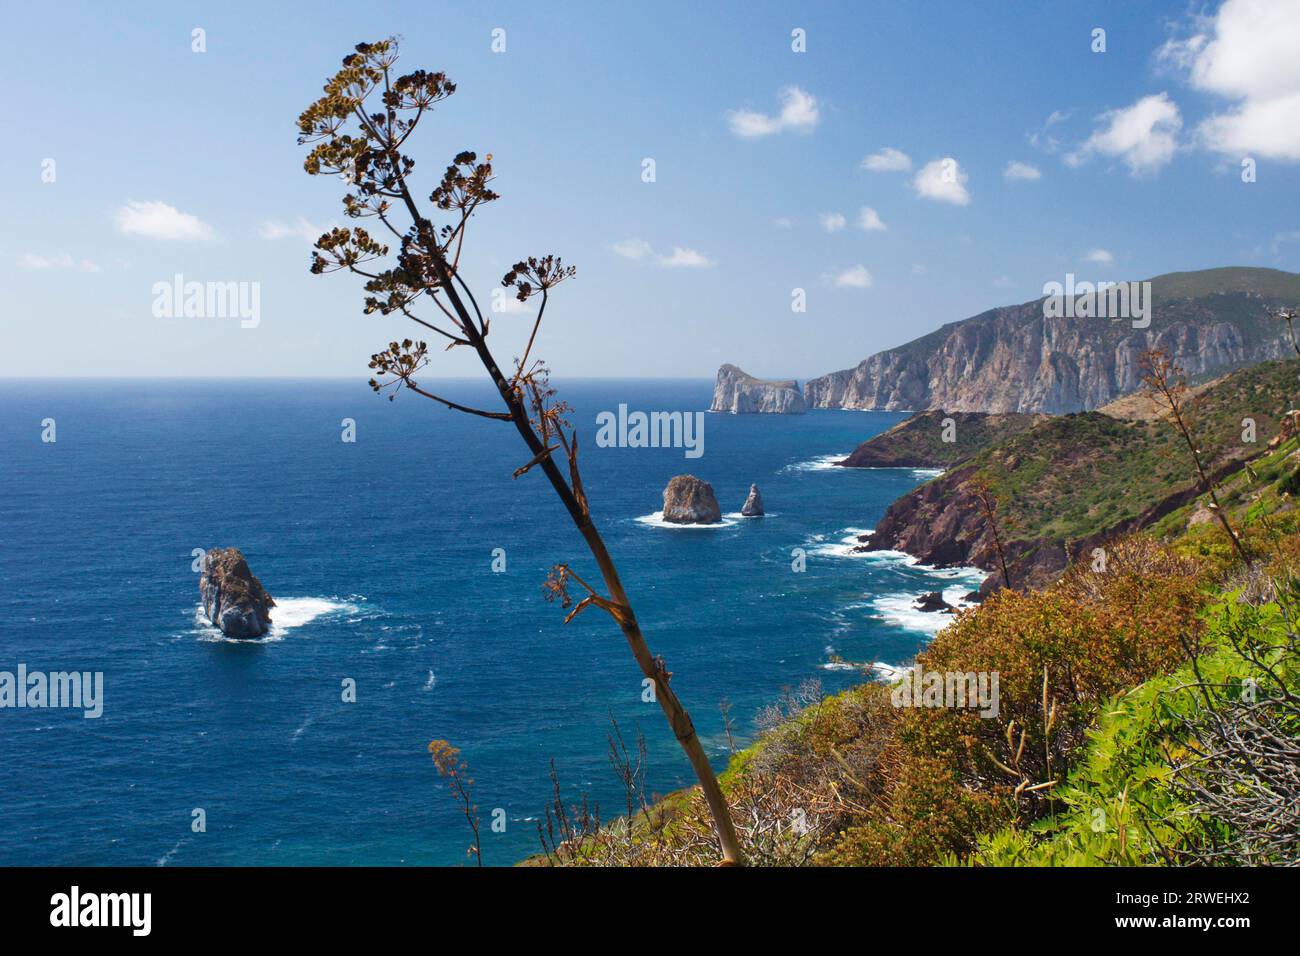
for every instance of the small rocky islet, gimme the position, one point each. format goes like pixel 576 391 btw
pixel 233 598
pixel 691 500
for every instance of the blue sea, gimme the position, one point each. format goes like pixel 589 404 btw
pixel 379 553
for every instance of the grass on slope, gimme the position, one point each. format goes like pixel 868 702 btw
pixel 918 442
pixel 1076 475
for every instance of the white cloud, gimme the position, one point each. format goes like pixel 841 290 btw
pixel 685 257
pixel 30 260
pixel 1100 256
pixel 632 248
pixel 1247 53
pixel 784 222
pixel 1043 138
pixel 1003 282
pixel 1143 135
pixel 507 304
pixel 1021 171
pixel 157 220
pixel 298 229
pixel 869 220
pixel 856 277
pixel 944 180
pixel 888 160
pixel 798 112
pixel 639 249
pixel 833 221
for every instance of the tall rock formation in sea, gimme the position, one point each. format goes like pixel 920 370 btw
pixel 688 500
pixel 753 506
pixel 738 392
pixel 1016 359
pixel 233 599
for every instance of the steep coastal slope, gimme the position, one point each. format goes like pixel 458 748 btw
pixel 1014 359
pixel 924 441
pixel 1070 483
pixel 738 392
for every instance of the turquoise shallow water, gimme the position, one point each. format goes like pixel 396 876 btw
pixel 379 553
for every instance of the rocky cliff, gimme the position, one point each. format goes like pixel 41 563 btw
pixel 1016 359
pixel 738 392
pixel 233 598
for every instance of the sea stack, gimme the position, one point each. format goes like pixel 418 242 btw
pixel 753 506
pixel 688 500
pixel 233 599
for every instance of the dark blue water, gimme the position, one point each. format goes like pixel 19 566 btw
pixel 379 553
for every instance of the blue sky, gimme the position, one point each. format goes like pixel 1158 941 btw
pixel 170 161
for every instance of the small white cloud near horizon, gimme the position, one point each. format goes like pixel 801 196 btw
pixel 798 112
pixel 30 260
pixel 832 221
pixel 1102 257
pixel 888 160
pixel 943 180
pixel 1003 282
pixel 157 220
pixel 1246 53
pixel 300 228
pixel 869 220
pixel 632 248
pixel 682 256
pixel 1018 171
pixel 1144 135
pixel 686 258
pixel 856 277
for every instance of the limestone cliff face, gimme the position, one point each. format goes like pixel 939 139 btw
pixel 1016 359
pixel 737 392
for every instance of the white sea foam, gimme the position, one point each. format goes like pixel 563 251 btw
pixel 842 547
pixel 656 520
pixel 288 613
pixel 302 728
pixel 888 672
pixel 820 463
pixel 167 857
pixel 901 610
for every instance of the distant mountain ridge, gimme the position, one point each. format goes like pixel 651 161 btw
pixel 1016 359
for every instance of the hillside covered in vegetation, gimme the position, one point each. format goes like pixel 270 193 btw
pixel 1067 484
pixel 937 439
